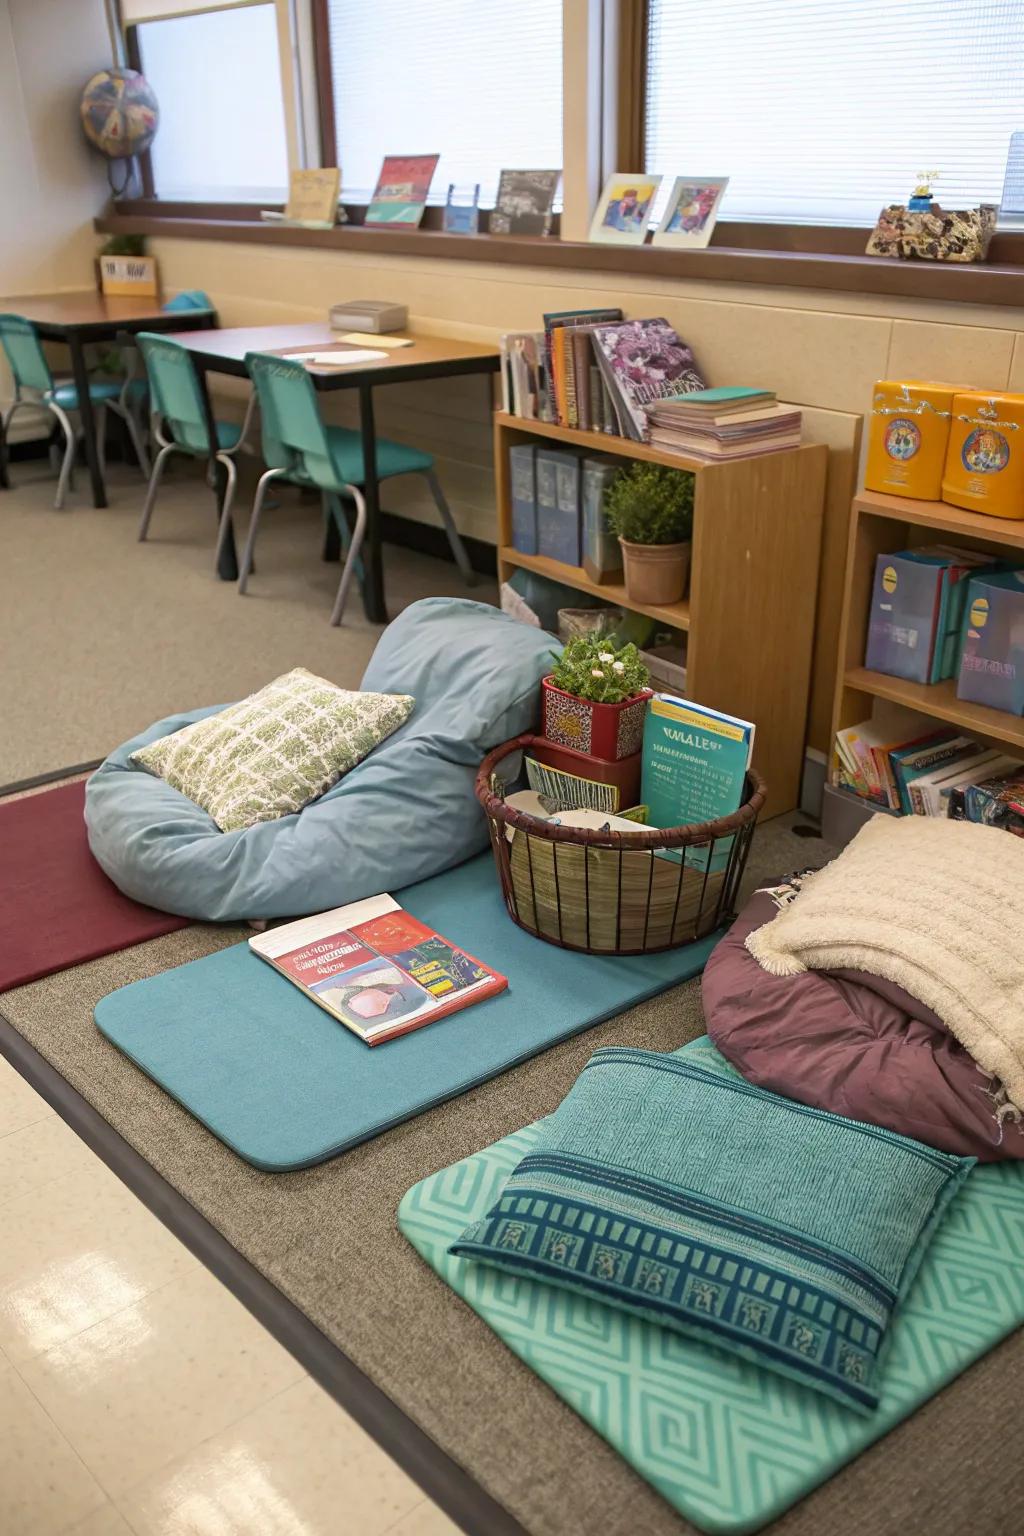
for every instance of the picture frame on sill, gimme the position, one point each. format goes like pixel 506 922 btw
pixel 623 212
pixel 691 212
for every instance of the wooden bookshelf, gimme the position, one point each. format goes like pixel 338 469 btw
pixel 750 612
pixel 882 524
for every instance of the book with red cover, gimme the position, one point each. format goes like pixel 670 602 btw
pixel 377 969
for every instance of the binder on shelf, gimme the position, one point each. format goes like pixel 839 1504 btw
pixel 558 505
pixel 523 488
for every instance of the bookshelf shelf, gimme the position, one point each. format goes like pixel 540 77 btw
pixel 677 615
pixel 754 575
pixel 882 524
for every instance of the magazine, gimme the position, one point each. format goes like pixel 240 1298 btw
pixel 643 360
pixel 377 969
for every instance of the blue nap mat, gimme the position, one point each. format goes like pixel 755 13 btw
pixel 285 1085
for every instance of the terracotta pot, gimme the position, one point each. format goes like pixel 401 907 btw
pixel 656 573
pixel 608 731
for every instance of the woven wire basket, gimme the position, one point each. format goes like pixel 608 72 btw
pixel 614 893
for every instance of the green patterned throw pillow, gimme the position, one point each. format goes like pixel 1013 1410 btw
pixel 277 750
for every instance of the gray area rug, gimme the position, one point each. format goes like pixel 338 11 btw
pixel 326 1237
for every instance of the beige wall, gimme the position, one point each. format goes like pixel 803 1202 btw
pixel 821 350
pixel 51 184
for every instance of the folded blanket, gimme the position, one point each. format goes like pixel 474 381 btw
pixel 937 907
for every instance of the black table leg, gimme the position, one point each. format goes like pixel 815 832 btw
pixel 92 458
pixel 373 573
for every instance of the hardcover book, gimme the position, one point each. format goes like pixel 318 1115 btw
pixel 377 969
pixel 401 191
pixel 643 361
pixel 524 203
pixel 524 497
pixel 558 505
pixel 695 762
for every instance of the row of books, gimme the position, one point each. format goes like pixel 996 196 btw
pixel 940 612
pixel 590 369
pixel 558 507
pixel 942 773
pixel 734 422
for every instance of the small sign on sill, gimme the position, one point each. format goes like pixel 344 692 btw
pixel 129 276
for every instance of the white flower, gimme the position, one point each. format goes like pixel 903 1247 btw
pixel 619 666
pixel 605 656
pixel 596 672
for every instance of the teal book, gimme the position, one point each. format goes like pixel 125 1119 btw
pixel 695 761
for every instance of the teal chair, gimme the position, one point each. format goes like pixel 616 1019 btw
pixel 34 385
pixel 134 394
pixel 299 447
pixel 179 402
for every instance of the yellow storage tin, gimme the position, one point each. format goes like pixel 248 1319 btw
pixel 909 437
pixel 985 460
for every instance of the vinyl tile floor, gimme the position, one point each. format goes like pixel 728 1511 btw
pixel 136 1394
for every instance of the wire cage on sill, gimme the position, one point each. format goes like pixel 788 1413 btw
pixel 614 893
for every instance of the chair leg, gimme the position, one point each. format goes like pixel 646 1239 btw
pixel 134 429
pixel 250 543
pixel 225 511
pixel 151 489
pixel 352 558
pixel 68 464
pixel 101 439
pixel 457 547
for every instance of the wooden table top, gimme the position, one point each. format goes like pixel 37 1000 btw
pixel 89 309
pixel 224 351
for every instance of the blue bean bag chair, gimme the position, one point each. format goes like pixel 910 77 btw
pixel 406 812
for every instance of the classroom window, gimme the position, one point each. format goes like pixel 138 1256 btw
pixel 823 111
pixel 217 77
pixel 478 82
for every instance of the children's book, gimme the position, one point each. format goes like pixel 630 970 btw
pixel 643 361
pixel 377 969
pixel 401 191
pixel 695 761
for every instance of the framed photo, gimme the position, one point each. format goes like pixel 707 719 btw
pixel 524 204
pixel 691 212
pixel 624 211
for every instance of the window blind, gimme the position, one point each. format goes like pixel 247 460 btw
pixel 823 111
pixel 477 81
pixel 217 77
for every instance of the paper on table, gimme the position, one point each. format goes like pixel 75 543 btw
pixel 381 341
pixel 336 359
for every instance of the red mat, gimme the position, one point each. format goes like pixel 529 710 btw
pixel 57 907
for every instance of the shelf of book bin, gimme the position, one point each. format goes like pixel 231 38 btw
pixel 599 442
pixel 676 615
pixel 941 516
pixel 940 700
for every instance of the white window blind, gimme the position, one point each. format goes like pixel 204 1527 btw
pixel 478 82
pixel 823 111
pixel 217 78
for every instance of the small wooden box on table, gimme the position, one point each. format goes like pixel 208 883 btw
pixel 753 583
pixel 882 524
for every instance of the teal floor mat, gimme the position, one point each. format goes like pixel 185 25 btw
pixel 726 1444
pixel 284 1085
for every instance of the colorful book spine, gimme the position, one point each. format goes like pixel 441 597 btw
pixel 523 485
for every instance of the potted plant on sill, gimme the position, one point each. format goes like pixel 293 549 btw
pixel 595 700
pixel 650 507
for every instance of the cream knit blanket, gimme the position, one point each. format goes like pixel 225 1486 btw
pixel 935 906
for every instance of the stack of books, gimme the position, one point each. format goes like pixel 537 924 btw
pixel 942 773
pixel 729 423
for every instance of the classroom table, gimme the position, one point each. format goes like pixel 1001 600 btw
pixel 76 319
pixel 429 357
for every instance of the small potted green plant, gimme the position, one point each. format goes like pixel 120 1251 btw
pixel 650 507
pixel 596 698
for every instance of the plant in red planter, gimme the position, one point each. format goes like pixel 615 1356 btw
pixel 596 698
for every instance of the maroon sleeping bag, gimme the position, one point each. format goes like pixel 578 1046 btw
pixel 854 1044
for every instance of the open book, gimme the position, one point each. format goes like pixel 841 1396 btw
pixel 376 969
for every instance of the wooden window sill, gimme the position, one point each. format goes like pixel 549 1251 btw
pixel 990 283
